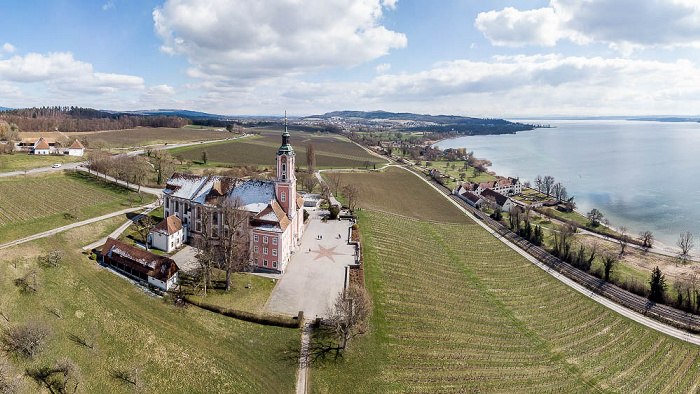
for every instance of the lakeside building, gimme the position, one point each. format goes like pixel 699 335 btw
pixel 506 186
pixel 139 264
pixel 274 208
pixel 505 204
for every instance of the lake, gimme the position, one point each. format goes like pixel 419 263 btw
pixel 641 175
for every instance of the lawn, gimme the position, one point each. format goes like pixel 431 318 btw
pixel 240 297
pixel 456 310
pixel 176 350
pixel 22 161
pixel 147 136
pixel 455 168
pixel 399 191
pixel 332 151
pixel 31 204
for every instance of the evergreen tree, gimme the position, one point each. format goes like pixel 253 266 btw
pixel 657 284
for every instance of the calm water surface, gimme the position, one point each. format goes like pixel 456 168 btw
pixel 642 175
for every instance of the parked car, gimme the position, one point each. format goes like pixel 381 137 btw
pixel 57 165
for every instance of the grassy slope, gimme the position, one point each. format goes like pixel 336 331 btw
pixel 23 161
pixel 36 203
pixel 331 150
pixel 457 310
pixel 177 350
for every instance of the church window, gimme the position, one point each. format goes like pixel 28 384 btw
pixel 274 240
pixel 255 238
pixel 284 197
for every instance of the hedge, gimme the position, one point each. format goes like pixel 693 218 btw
pixel 268 320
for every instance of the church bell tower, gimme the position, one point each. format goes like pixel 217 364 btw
pixel 286 185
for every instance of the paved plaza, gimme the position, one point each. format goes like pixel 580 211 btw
pixel 316 272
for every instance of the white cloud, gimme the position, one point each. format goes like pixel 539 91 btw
pixel 62 73
pixel 108 5
pixel 514 85
pixel 239 40
pixel 7 47
pixel 622 24
pixel 382 68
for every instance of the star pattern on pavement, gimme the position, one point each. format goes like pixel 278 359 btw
pixel 326 252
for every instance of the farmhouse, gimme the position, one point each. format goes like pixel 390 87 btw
pixel 503 203
pixel 139 264
pixel 41 147
pixel 274 208
pixel 76 149
pixel 168 235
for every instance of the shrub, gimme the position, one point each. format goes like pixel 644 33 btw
pixel 93 256
pixel 334 211
pixel 355 226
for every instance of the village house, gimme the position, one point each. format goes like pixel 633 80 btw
pixel 76 149
pixel 139 264
pixel 274 208
pixel 168 235
pixel 505 204
pixel 41 147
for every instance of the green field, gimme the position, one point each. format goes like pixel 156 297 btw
pixel 148 136
pixel 398 191
pixel 176 350
pixel 35 203
pixel 22 161
pixel 332 151
pixel 457 311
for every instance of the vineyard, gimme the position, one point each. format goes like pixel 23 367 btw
pixel 146 136
pixel 31 204
pixel 331 150
pixel 455 310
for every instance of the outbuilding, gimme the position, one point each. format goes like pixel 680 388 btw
pixel 168 234
pixel 140 264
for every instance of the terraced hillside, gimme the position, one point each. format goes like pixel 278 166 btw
pixel 331 150
pixel 455 310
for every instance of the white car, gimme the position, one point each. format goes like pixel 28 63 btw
pixel 57 165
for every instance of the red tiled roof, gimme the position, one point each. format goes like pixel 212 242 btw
pixel 76 145
pixel 158 267
pixel 300 200
pixel 169 225
pixel 42 144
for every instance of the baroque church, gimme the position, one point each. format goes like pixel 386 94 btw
pixel 276 219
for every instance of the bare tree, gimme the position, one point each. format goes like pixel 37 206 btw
pixel 559 191
pixel 205 254
pixel 235 241
pixel 52 259
pixel 351 193
pixel 349 313
pixel 647 238
pixel 334 182
pixel 309 182
pixel 27 339
pixel 538 183
pixel 547 184
pixel 595 216
pixel 686 242
pixel 144 226
pixel 623 240
pixel 311 157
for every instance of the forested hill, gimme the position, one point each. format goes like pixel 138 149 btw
pixel 431 123
pixel 83 119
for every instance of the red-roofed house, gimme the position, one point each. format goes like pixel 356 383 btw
pixel 41 147
pixel 76 149
pixel 139 264
pixel 168 234
pixel 274 208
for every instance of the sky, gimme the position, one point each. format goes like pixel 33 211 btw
pixel 525 58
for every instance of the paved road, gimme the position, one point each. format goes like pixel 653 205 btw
pixel 73 225
pixel 651 323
